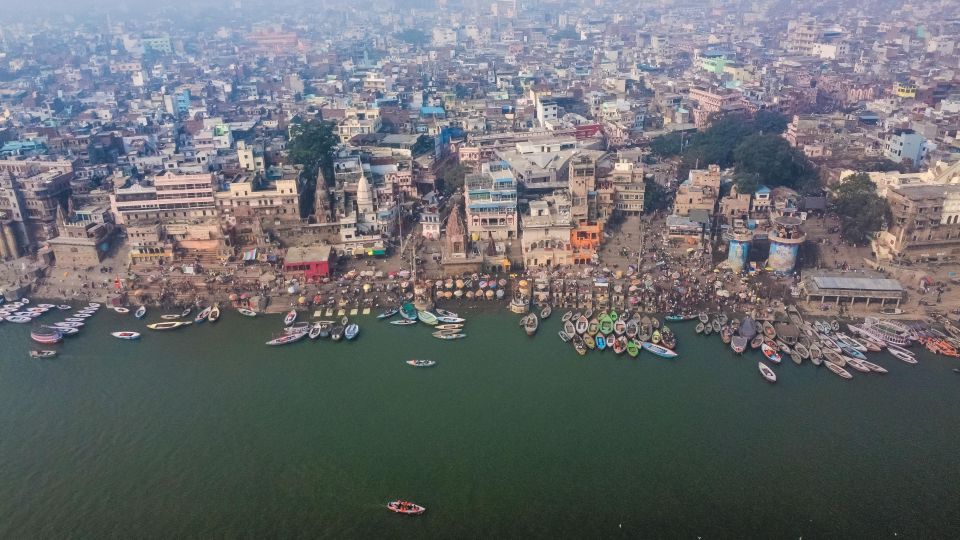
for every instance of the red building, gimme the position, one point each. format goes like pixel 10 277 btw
pixel 314 261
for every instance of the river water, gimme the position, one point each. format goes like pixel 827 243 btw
pixel 205 431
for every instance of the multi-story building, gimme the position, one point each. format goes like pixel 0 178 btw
pixel 925 222
pixel 169 196
pixel 546 232
pixel 628 188
pixel 905 145
pixel 715 101
pixel 491 203
pixel 30 199
pixel 698 192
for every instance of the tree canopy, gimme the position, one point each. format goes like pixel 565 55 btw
pixel 774 162
pixel 862 212
pixel 453 178
pixel 655 197
pixel 311 145
pixel 413 36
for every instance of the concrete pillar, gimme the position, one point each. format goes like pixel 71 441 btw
pixel 868 302
pixel 4 250
pixel 838 299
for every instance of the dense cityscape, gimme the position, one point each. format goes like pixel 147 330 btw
pixel 784 176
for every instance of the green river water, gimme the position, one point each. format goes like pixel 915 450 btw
pixel 206 432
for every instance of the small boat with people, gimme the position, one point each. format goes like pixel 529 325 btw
pixel 767 373
pixel 450 320
pixel 770 352
pixel 579 345
pixel 66 331
pixel 246 312
pixel 404 322
pixel 68 324
pixel 448 335
pixel 546 311
pixel 202 316
pixel 172 325
pixel 456 326
pixel 445 313
pixel 121 310
pixel 214 314
pixel 582 325
pixel 756 342
pixel 43 354
pixel 64 307
pixel 141 311
pixel 658 350
pixel 49 336
pixel 336 332
pixel 531 323
pixel 125 335
pixel 286 338
pixel 421 363
pixel 405 507
pixel 315 330
pixel 738 344
pixel 290 317
pixel 388 313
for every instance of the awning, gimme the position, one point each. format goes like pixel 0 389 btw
pixel 250 255
pixel 506 263
pixel 378 252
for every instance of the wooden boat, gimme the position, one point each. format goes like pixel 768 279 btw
pixel 427 318
pixel 816 355
pixel 287 319
pixel 655 338
pixel 903 355
pixel 619 345
pixel 820 327
pixel 783 347
pixel 421 363
pixel 855 364
pixel 405 507
pixel 170 316
pixel 65 330
pixel 351 331
pixel 619 327
pixel 67 324
pixel 767 373
pixel 601 342
pixel 614 315
pixel 658 350
pixel 63 307
pixel 593 328
pixel 314 332
pixel 606 324
pixel 125 335
pixel 579 345
pixel 546 311
pixel 632 329
pixel 756 341
pixel 408 312
pixel 336 332
pixel 75 319
pixel 838 370
pixel 445 313
pixel 853 353
pixel 699 328
pixel 874 367
pixel 738 344
pixel 403 322
pixel 43 354
pixel 448 336
pixel 247 312
pixel 834 357
pixel 531 324
pixel 214 314
pixel 717 327
pixel 725 334
pixel 802 351
pixel 770 352
pixel 286 339
pixel 388 313
pixel 202 316
pixel 173 325
pixel 589 313
pixel 450 320
pixel 633 348
pixel 590 342
pixel 768 330
pixel 121 310
pixel 564 337
pixel 141 311
pixel 566 316
pixel 704 318
pixel 449 326
pixel 834 325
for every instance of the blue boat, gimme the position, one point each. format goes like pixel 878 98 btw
pixel 658 350
pixel 601 342
pixel 851 352
pixel 351 331
pixel 409 312
pixel 679 317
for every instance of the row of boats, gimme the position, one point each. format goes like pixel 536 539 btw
pixel 47 334
pixel 173 321
pixel 619 332
pixel 295 331
pixel 447 325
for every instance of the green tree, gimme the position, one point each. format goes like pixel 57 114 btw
pixel 311 145
pixel 667 145
pixel 774 162
pixel 655 197
pixel 770 122
pixel 452 178
pixel 413 36
pixel 862 212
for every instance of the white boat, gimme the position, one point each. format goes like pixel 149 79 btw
pixel 168 325
pixel 68 324
pixel 902 355
pixel 445 313
pixel 94 305
pixel 121 310
pixel 125 335
pixel 170 316
pixel 288 338
pixel 838 370
pixel 290 317
pixel 767 373
pixel 247 312
pixel 214 314
pixel 81 315
pixel 66 330
pixel 202 316
pixel 874 367
pixel 450 320
pixel 74 319
pixel 141 311
pixel 64 307
pixel 403 322
pixel 315 331
pixel 17 319
pixel 421 363
pixel 427 318
pixel 351 331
